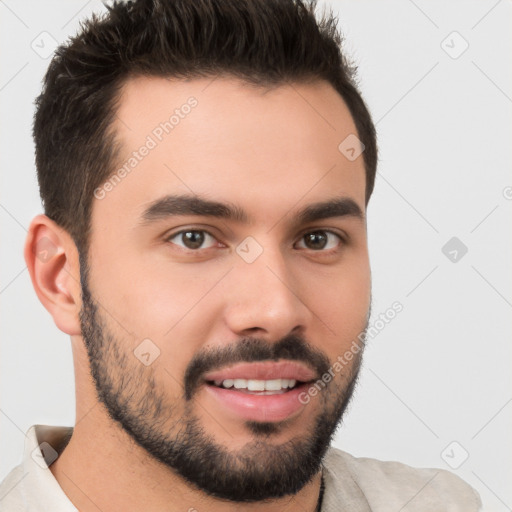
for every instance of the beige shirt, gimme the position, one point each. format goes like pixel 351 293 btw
pixel 351 484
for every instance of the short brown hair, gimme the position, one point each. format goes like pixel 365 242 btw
pixel 262 42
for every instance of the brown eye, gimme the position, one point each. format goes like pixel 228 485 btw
pixel 319 240
pixel 192 239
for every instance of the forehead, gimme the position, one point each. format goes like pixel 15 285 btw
pixel 226 140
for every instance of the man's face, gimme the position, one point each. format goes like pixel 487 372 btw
pixel 196 322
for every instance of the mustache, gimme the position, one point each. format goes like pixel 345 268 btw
pixel 292 348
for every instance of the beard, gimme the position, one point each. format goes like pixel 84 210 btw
pixel 173 434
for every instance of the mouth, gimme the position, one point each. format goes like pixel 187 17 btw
pixel 262 391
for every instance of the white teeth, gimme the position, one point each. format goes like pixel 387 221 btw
pixel 257 385
pixel 240 383
pixel 274 385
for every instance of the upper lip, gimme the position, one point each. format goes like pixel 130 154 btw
pixel 264 371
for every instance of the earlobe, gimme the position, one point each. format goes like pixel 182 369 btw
pixel 52 260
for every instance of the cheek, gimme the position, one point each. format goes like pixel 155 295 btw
pixel 146 296
pixel 175 312
pixel 340 301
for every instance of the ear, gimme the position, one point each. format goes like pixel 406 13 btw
pixel 52 260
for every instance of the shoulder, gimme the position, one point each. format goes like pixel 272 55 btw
pixel 10 492
pixel 390 485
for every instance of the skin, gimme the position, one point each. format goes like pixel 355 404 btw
pixel 278 157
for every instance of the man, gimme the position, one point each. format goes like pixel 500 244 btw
pixel 205 169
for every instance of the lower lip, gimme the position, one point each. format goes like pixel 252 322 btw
pixel 254 407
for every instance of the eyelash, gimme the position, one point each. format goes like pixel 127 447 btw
pixel 186 249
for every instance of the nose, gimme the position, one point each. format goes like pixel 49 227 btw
pixel 266 299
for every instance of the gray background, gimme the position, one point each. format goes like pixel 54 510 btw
pixel 436 383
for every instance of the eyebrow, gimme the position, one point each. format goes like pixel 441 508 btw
pixel 175 205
